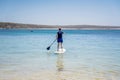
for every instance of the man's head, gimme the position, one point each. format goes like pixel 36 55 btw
pixel 59 28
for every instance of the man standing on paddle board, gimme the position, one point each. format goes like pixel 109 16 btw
pixel 59 39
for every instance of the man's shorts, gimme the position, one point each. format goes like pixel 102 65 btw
pixel 59 40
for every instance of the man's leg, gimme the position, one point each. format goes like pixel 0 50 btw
pixel 58 47
pixel 61 46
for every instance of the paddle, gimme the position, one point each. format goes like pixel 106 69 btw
pixel 48 48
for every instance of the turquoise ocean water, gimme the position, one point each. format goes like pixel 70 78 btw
pixel 23 52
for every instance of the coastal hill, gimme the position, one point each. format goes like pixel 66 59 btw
pixel 8 25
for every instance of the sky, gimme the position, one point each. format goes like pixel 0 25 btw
pixel 61 12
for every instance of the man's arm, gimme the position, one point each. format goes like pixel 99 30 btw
pixel 56 36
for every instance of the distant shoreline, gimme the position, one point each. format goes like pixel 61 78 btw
pixel 7 25
pixel 62 28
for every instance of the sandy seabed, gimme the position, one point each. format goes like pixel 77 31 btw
pixel 62 75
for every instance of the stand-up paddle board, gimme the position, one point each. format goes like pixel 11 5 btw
pixel 60 51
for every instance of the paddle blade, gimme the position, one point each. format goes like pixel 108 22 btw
pixel 48 48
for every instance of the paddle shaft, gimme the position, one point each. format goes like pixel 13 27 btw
pixel 53 42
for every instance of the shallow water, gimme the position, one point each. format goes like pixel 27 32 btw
pixel 90 55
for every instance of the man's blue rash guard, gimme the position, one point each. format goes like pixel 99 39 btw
pixel 59 39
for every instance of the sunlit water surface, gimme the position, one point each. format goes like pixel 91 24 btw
pixel 90 55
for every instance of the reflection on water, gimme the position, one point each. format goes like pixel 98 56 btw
pixel 59 66
pixel 59 62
